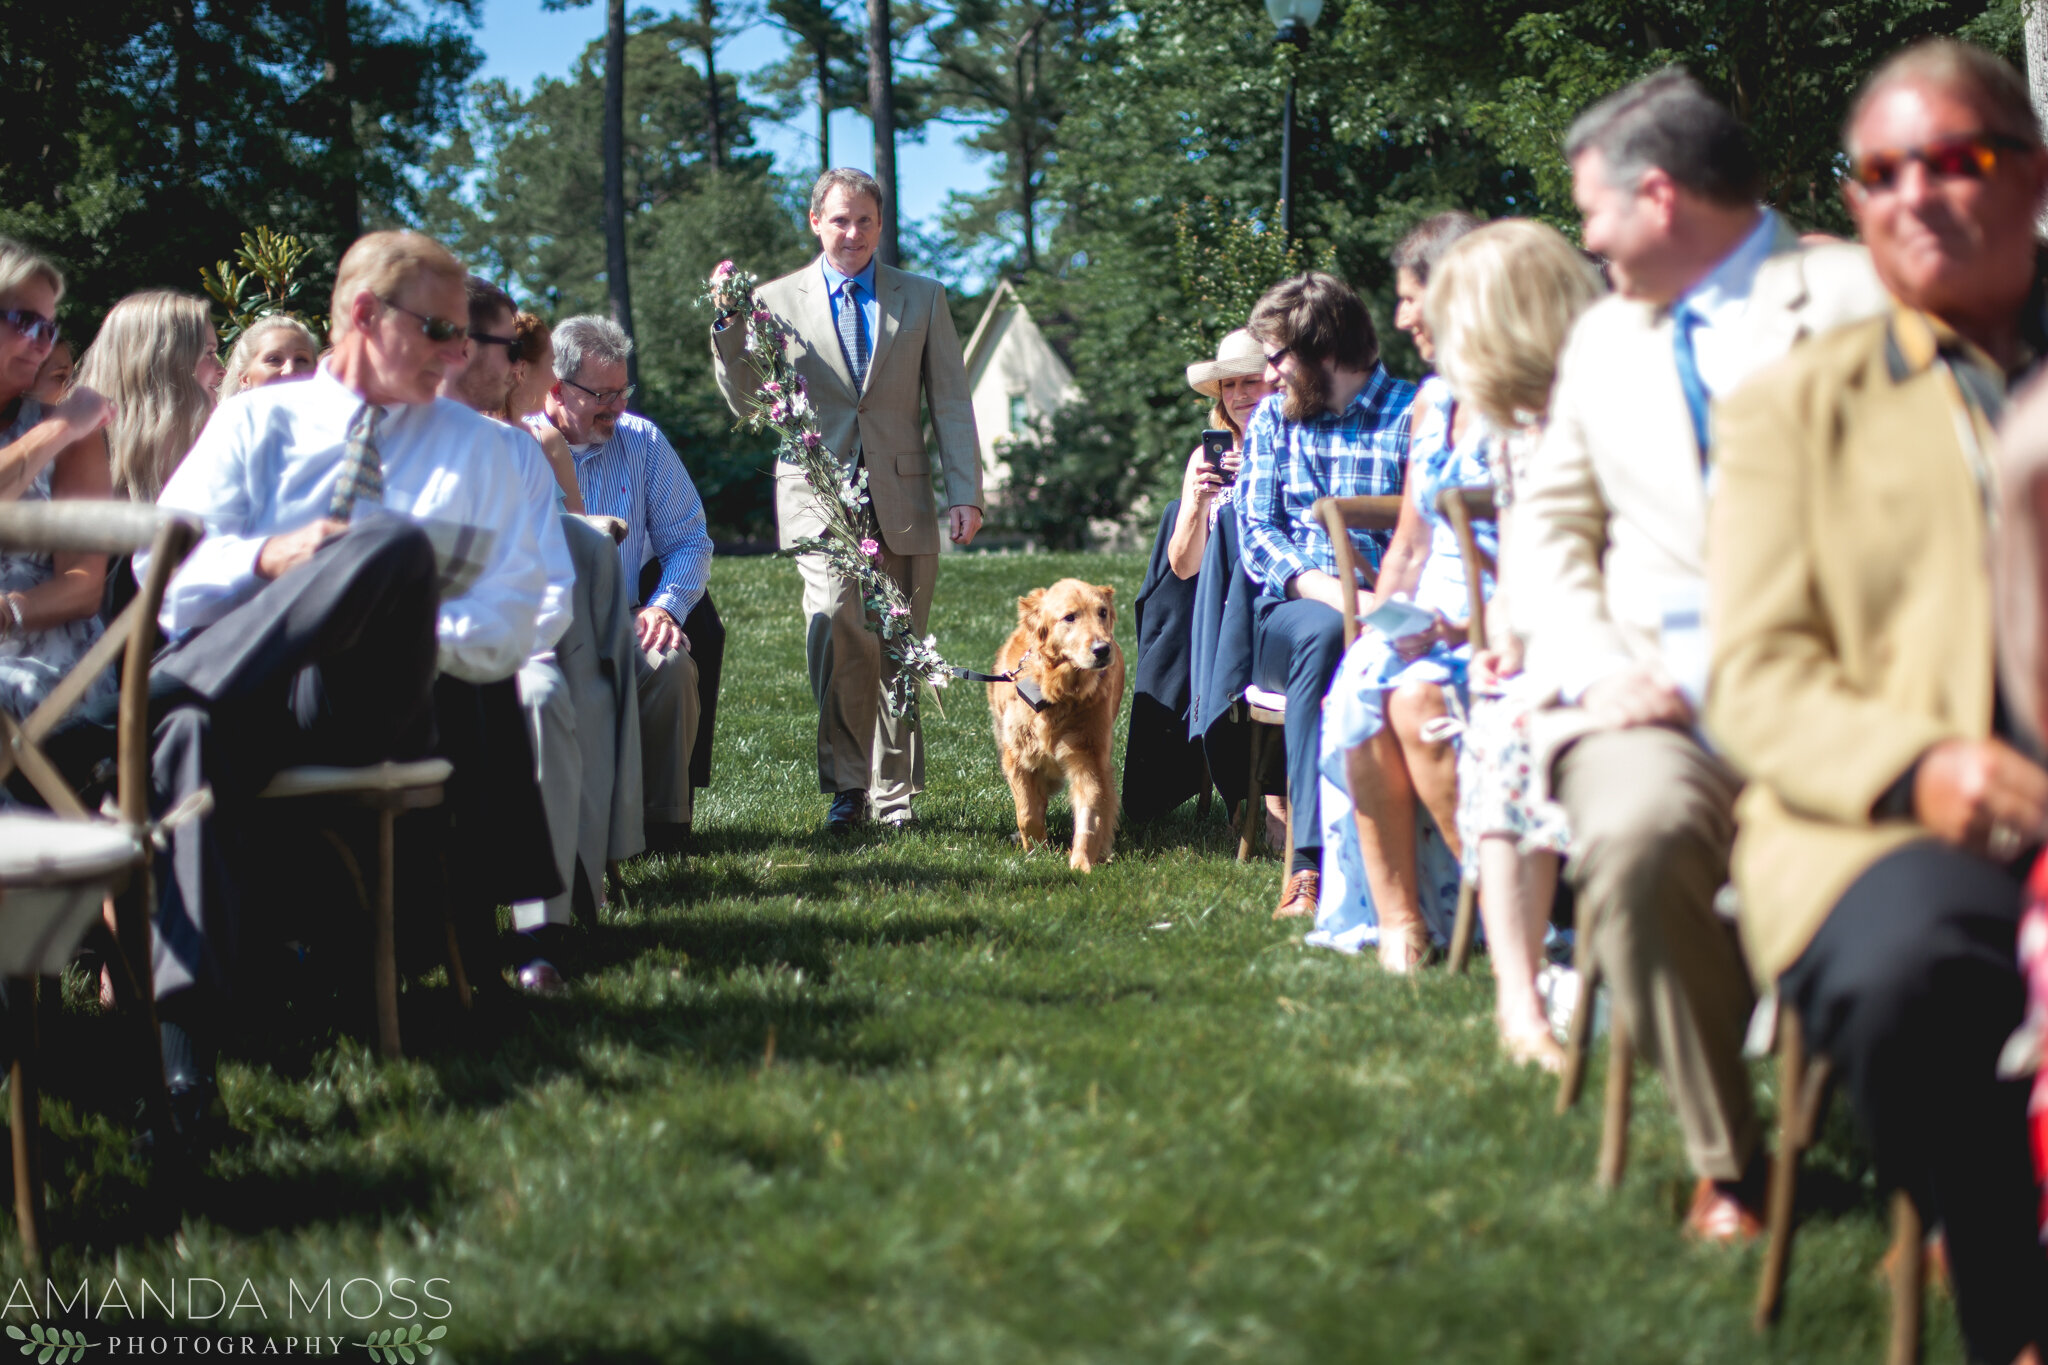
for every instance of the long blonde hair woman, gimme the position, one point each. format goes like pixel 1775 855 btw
pixel 278 347
pixel 150 358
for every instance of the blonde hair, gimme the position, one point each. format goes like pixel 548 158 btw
pixel 250 344
pixel 143 359
pixel 1500 304
pixel 19 264
pixel 381 262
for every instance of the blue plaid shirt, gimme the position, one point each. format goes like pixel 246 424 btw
pixel 637 477
pixel 1288 465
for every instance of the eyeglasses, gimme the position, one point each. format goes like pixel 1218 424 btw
pixel 606 397
pixel 438 330
pixel 1274 358
pixel 35 329
pixel 1959 158
pixel 511 344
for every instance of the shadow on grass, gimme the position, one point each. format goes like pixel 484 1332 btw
pixel 727 1342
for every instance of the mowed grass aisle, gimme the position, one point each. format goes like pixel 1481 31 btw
pixel 918 1098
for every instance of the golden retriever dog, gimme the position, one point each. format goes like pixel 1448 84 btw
pixel 1065 648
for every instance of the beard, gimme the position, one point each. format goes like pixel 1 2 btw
pixel 1306 393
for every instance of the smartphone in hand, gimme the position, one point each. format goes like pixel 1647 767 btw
pixel 1215 445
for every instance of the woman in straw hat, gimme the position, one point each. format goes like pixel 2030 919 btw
pixel 1235 383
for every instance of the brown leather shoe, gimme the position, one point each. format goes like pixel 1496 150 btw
pixel 1719 1218
pixel 1298 899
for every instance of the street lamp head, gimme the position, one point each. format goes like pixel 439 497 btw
pixel 1294 19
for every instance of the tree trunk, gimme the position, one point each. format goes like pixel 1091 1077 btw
pixel 824 103
pixel 337 73
pixel 2034 15
pixel 882 109
pixel 615 175
pixel 707 17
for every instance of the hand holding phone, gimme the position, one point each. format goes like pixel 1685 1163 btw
pixel 1215 445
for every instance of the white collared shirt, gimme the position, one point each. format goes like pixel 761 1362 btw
pixel 267 464
pixel 1721 299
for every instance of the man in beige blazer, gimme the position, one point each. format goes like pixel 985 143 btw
pixel 1891 811
pixel 869 341
pixel 1608 563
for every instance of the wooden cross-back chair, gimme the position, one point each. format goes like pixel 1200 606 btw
pixel 58 866
pixel 1463 507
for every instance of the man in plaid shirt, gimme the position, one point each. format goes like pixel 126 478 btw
pixel 1337 428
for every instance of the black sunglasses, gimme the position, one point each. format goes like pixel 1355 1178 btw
pixel 1274 358
pixel 33 326
pixel 511 344
pixel 438 330
pixel 1957 158
pixel 607 397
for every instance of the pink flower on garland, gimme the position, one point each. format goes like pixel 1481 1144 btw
pixel 869 548
pixel 722 271
pixel 812 440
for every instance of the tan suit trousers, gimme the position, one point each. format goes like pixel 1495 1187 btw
pixel 1652 820
pixel 668 732
pixel 860 745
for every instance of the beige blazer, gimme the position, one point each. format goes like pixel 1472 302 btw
pixel 1612 519
pixel 1852 617
pixel 916 355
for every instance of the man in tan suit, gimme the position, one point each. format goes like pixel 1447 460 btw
pixel 869 340
pixel 1608 561
pixel 1890 811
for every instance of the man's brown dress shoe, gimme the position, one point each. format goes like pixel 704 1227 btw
pixel 1719 1217
pixel 1298 899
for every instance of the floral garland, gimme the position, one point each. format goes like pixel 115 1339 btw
pixel 782 405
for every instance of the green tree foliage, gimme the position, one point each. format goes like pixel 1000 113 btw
pixel 271 280
pixel 519 195
pixel 826 70
pixel 140 138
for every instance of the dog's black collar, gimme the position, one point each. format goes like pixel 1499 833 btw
pixel 1031 692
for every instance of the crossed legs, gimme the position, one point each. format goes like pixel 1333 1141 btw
pixel 1388 774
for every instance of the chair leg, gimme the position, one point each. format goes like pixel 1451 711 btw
pixel 135 992
pixel 1461 929
pixel 25 1119
pixel 1621 1068
pixel 1580 1040
pixel 385 944
pixel 1909 1274
pixel 1254 799
pixel 456 972
pixel 1770 1289
pixel 1202 802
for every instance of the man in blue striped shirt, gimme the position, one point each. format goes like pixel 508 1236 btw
pixel 1337 428
pixel 626 468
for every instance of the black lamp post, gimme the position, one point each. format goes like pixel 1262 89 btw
pixel 1292 20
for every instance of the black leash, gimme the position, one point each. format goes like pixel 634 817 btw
pixel 1033 695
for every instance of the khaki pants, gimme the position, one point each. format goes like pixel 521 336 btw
pixel 668 732
pixel 860 745
pixel 1652 821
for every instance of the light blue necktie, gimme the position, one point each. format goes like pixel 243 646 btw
pixel 1683 320
pixel 853 337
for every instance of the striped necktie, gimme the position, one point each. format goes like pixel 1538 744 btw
pixel 362 470
pixel 853 337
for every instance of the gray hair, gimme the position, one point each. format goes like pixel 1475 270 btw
pixel 848 179
pixel 589 337
pixel 1428 240
pixel 19 264
pixel 1961 69
pixel 1669 121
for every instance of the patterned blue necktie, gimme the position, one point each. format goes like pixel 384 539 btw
pixel 1683 320
pixel 362 469
pixel 853 337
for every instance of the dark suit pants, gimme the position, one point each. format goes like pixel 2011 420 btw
pixel 1911 987
pixel 1296 647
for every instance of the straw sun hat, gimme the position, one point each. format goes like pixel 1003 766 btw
pixel 1236 354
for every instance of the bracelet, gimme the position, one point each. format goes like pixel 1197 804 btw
pixel 14 624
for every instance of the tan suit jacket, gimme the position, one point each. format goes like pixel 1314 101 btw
pixel 916 353
pixel 1613 517
pixel 1852 609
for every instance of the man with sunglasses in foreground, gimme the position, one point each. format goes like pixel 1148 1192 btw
pixel 626 468
pixel 367 588
pixel 1608 565
pixel 1891 811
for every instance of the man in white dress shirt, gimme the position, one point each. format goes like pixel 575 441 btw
pixel 368 586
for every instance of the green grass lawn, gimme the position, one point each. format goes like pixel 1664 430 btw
pixel 921 1098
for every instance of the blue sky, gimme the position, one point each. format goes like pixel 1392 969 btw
pixel 521 41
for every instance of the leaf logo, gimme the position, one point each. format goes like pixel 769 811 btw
pixel 58 1344
pixel 396 1344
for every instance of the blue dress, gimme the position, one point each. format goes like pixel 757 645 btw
pixel 32 664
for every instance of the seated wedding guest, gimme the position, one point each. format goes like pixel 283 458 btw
pixel 576 733
pixel 1502 303
pixel 275 347
pixel 533 374
pixel 1608 562
pixel 1337 427
pixel 627 469
pixel 49 604
pixel 1891 810
pixel 53 381
pixel 1163 765
pixel 149 359
pixel 313 624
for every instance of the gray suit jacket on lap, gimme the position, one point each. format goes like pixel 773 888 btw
pixel 916 351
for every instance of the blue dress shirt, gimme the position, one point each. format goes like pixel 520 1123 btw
pixel 637 477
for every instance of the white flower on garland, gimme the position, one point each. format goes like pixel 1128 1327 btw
pixel 783 406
